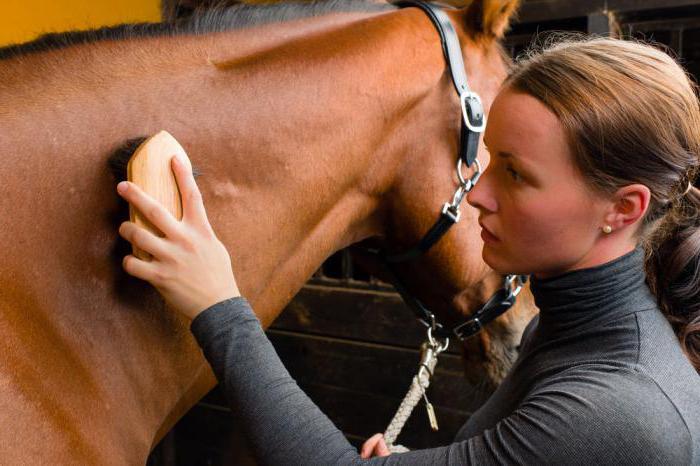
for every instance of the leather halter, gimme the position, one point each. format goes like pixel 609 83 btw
pixel 473 124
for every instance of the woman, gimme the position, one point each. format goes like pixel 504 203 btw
pixel 594 145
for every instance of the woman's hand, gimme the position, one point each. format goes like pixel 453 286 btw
pixel 374 446
pixel 190 267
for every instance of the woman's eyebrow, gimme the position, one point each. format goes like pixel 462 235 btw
pixel 523 164
pixel 503 154
pixel 500 153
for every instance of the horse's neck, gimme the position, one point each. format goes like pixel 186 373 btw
pixel 282 185
pixel 294 166
pixel 293 169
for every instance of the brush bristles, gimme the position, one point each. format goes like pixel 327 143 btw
pixel 119 160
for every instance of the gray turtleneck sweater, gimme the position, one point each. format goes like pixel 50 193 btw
pixel 601 379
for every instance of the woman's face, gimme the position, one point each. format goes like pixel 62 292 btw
pixel 541 217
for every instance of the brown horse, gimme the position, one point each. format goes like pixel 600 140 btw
pixel 311 134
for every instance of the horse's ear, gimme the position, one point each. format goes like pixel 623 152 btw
pixel 490 18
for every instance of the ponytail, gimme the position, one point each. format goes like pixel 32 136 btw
pixel 673 271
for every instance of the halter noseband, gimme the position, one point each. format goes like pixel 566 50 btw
pixel 473 124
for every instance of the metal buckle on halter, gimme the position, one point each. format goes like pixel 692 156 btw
pixel 473 111
pixel 514 284
pixel 468 328
pixel 436 344
pixel 451 211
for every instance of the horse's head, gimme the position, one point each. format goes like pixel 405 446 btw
pixel 451 278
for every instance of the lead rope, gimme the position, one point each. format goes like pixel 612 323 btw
pixel 429 353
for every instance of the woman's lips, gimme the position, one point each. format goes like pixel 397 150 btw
pixel 486 235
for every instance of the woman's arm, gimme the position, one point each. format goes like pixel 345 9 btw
pixel 285 426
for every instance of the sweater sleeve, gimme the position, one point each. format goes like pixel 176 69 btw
pixel 282 422
pixel 581 417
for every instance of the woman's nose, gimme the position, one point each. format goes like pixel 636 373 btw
pixel 481 195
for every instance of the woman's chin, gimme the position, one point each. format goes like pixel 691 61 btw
pixel 497 260
pixel 491 258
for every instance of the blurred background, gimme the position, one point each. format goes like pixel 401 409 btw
pixel 24 20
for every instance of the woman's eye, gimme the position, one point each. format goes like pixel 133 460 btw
pixel 514 174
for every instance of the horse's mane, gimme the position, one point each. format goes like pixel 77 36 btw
pixel 202 21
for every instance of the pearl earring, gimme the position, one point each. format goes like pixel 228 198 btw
pixel 607 229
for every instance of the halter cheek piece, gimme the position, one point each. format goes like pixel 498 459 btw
pixel 473 124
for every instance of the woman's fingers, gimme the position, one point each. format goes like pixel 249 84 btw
pixel 192 204
pixel 140 269
pixel 150 208
pixel 144 240
pixel 370 445
pixel 381 449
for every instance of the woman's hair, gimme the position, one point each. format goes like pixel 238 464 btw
pixel 631 115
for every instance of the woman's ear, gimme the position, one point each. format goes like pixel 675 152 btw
pixel 489 19
pixel 629 205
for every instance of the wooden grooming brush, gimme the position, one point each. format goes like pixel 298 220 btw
pixel 150 169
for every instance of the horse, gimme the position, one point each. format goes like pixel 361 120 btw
pixel 314 127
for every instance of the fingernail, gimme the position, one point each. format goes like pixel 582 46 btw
pixel 122 187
